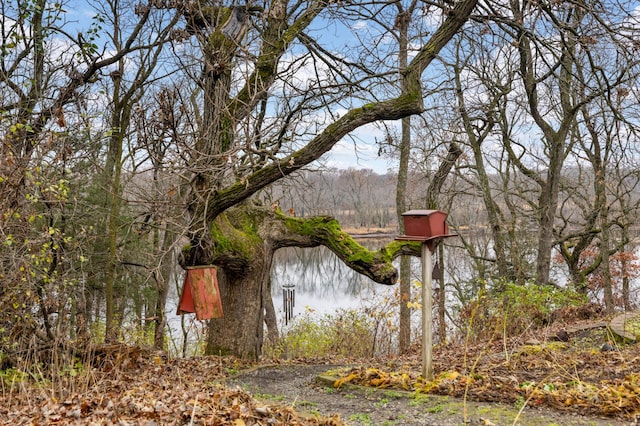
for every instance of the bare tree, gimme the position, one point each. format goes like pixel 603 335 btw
pixel 126 90
pixel 402 26
pixel 546 49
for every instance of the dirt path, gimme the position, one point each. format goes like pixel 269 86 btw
pixel 297 386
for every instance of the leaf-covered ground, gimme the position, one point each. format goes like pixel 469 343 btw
pixel 586 372
pixel 128 386
pixel 144 391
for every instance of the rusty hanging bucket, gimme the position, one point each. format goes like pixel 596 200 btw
pixel 200 293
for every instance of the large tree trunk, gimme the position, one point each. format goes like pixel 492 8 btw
pixel 240 331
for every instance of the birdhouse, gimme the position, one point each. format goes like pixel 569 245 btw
pixel 200 293
pixel 424 224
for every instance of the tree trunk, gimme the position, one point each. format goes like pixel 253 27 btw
pixel 162 276
pixel 160 316
pixel 404 333
pixel 626 301
pixel 607 283
pixel 442 299
pixel 556 142
pixel 240 331
pixel 114 169
pixel 270 318
pixel 547 203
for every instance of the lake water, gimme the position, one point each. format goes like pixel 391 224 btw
pixel 321 281
pixel 324 284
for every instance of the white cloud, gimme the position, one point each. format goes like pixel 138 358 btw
pixel 360 25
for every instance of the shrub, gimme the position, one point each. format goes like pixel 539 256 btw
pixel 347 333
pixel 515 309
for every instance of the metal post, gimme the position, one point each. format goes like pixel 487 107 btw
pixel 427 320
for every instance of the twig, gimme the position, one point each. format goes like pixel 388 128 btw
pixel 193 412
pixel 526 401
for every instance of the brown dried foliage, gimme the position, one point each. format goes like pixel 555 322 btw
pixel 133 386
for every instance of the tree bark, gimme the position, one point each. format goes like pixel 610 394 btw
pixel 240 331
pixel 404 332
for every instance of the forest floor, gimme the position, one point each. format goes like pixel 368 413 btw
pixel 552 379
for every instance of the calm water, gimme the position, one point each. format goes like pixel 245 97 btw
pixel 321 281
pixel 323 285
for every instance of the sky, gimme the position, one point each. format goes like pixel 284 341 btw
pixel 363 156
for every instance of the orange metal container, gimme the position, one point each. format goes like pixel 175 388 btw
pixel 425 223
pixel 200 293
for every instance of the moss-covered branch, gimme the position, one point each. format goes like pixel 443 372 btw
pixel 326 231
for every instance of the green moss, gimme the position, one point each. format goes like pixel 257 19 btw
pixel 236 233
pixel 545 347
pixel 556 346
pixel 394 247
pixel 632 326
